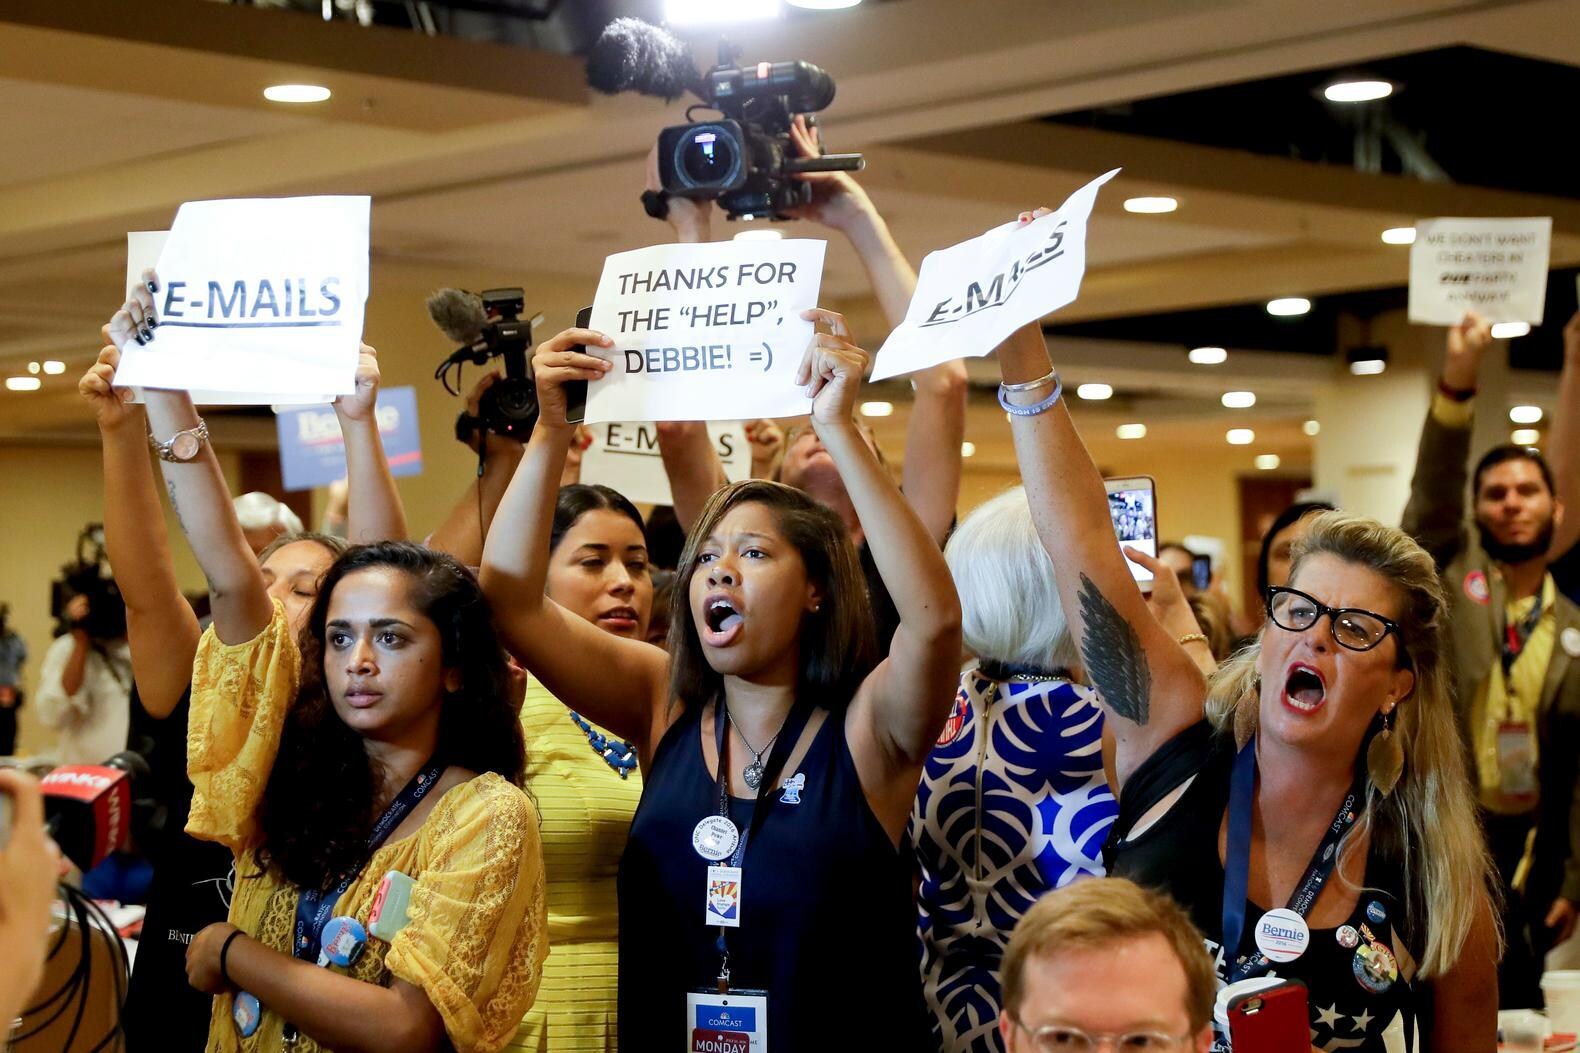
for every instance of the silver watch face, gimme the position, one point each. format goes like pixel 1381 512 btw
pixel 185 446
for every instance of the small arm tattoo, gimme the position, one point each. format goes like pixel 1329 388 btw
pixel 1114 657
pixel 170 488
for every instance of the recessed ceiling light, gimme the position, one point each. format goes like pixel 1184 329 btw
pixel 1312 427
pixel 34 368
pixel 877 409
pixel 23 383
pixel 698 12
pixel 296 93
pixel 1239 399
pixel 54 368
pixel 968 449
pixel 1095 392
pixel 1368 367
pixel 1357 90
pixel 1267 461
pixel 1288 306
pixel 1131 431
pixel 759 234
pixel 1520 436
pixel 1240 436
pixel 1151 205
pixel 823 5
pixel 1525 414
pixel 1399 236
pixel 1208 356
pixel 1510 330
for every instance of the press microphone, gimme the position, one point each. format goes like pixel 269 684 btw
pixel 632 55
pixel 88 807
pixel 458 314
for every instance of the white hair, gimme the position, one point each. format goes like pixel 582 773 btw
pixel 259 511
pixel 1008 598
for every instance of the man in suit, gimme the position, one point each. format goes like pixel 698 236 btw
pixel 1516 643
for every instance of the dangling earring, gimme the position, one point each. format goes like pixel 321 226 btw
pixel 1246 716
pixel 1385 757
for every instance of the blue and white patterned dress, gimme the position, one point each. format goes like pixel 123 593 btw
pixel 1013 803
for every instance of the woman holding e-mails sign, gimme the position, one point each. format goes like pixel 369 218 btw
pixel 762 891
pixel 381 739
pixel 1308 805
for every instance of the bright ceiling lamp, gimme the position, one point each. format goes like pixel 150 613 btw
pixel 54 367
pixel 1095 392
pixel 1520 436
pixel 825 5
pixel 1312 428
pixel 1151 206
pixel 1399 236
pixel 1510 330
pixel 968 449
pixel 1357 90
pixel 702 12
pixel 1267 461
pixel 759 234
pixel 877 409
pixel 1525 414
pixel 1239 399
pixel 23 383
pixel 1131 431
pixel 296 93
pixel 1240 436
pixel 1288 306
pixel 1207 356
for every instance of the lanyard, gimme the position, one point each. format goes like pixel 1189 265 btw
pixel 313 906
pixel 1237 861
pixel 784 745
pixel 1515 635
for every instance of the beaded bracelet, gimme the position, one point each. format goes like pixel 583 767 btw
pixel 1035 408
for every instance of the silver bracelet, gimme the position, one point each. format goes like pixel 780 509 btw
pixel 1035 408
pixel 1051 375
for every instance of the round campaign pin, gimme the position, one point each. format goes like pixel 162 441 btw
pixel 1376 912
pixel 245 1013
pixel 342 940
pixel 1569 639
pixel 1282 935
pixel 1476 587
pixel 1375 968
pixel 714 838
pixel 1348 938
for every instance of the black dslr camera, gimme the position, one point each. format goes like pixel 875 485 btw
pixel 490 326
pixel 86 576
pixel 745 160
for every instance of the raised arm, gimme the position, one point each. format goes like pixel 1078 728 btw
pixel 1564 443
pixel 373 506
pixel 621 684
pixel 161 629
pixel 1150 688
pixel 1435 513
pixel 938 416
pixel 463 530
pixel 198 494
pixel 692 465
pixel 902 704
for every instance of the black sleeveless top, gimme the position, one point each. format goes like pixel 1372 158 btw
pixel 827 923
pixel 1355 995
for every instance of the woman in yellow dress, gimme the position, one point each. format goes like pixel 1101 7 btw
pixel 583 778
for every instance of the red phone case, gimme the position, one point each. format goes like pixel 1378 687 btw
pixel 1273 1020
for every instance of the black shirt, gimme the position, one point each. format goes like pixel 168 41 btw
pixel 1351 997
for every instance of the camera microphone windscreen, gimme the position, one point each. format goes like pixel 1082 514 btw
pixel 88 807
pixel 458 314
pixel 632 55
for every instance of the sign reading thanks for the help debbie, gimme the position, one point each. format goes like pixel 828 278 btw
pixel 971 296
pixel 705 332
pixel 258 296
pixel 625 456
pixel 313 452
pixel 1497 267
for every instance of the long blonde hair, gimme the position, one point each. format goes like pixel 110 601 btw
pixel 1428 824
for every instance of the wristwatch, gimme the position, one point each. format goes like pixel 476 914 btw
pixel 183 445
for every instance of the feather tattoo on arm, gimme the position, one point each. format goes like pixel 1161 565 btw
pixel 1114 657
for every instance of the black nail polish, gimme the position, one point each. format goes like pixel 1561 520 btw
pixel 145 334
pixel 139 339
pixel 153 323
pixel 153 286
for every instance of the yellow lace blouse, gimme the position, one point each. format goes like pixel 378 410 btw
pixel 477 936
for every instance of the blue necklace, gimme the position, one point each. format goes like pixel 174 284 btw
pixel 619 755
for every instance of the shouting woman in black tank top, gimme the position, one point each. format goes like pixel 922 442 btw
pixel 1309 806
pixel 771 730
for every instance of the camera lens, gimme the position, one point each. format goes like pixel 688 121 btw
pixel 708 158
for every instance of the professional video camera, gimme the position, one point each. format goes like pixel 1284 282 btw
pixel 489 326
pixel 88 576
pixel 746 160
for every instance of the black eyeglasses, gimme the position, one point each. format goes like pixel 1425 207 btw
pixel 1353 627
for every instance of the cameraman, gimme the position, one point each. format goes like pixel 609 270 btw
pixel 84 687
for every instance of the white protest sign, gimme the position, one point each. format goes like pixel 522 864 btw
pixel 705 332
pixel 970 296
pixel 624 456
pixel 1495 266
pixel 142 252
pixel 259 298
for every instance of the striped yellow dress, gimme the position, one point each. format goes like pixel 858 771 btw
pixel 586 809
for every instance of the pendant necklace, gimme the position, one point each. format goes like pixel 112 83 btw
pixel 752 774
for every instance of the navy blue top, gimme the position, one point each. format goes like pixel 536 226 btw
pixel 827 925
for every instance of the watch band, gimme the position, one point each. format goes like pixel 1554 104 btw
pixel 1455 394
pixel 166 449
pixel 656 203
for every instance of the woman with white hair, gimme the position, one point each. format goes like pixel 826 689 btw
pixel 1013 801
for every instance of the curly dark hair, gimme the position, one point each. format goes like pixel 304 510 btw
pixel 318 805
